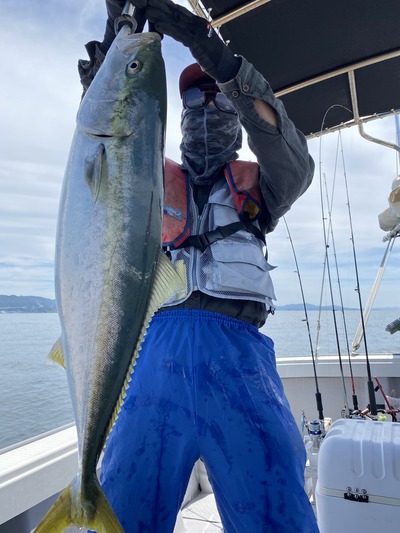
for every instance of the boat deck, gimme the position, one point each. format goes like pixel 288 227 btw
pixel 199 516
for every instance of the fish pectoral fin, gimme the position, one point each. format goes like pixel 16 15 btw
pixel 68 510
pixel 93 169
pixel 56 354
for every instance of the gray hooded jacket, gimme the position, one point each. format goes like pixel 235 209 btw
pixel 211 139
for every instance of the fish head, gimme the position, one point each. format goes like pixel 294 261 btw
pixel 130 83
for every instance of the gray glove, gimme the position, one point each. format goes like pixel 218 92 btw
pixel 195 33
pixel 88 68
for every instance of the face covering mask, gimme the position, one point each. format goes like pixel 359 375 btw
pixel 210 139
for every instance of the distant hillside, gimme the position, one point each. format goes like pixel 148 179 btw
pixel 310 307
pixel 26 304
pixel 36 304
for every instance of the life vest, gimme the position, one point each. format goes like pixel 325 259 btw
pixel 223 247
pixel 243 180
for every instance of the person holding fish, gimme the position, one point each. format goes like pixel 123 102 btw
pixel 206 385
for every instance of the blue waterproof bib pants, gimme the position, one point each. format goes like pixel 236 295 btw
pixel 206 385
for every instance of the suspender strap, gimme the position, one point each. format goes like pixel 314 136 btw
pixel 219 233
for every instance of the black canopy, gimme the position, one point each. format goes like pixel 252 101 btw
pixel 319 53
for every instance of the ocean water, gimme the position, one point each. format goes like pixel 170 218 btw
pixel 289 331
pixel 34 395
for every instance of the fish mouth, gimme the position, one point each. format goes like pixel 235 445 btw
pixel 121 131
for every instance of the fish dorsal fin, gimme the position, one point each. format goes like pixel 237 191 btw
pixel 93 168
pixel 169 279
pixel 56 354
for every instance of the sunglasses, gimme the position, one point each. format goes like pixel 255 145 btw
pixel 196 98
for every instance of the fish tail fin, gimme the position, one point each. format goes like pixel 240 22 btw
pixel 69 511
pixel 104 519
pixel 59 515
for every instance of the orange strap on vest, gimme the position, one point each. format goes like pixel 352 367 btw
pixel 243 181
pixel 176 205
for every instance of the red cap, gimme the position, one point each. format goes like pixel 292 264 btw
pixel 193 76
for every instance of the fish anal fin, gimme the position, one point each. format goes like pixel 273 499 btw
pixel 56 354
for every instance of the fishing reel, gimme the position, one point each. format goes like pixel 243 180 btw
pixel 316 432
pixel 315 428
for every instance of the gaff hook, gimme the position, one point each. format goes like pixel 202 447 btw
pixel 127 17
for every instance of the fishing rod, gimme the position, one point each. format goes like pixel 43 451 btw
pixel 318 396
pixel 371 391
pixel 330 205
pixel 353 94
pixel 329 272
pixel 333 306
pixel 346 336
pixel 320 308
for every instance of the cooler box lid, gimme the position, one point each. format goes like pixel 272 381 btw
pixel 362 456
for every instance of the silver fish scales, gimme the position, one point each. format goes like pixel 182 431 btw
pixel 111 273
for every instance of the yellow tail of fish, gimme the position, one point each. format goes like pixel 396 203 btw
pixel 69 511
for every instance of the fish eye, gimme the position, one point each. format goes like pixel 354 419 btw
pixel 134 67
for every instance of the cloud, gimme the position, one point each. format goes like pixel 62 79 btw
pixel 369 169
pixel 28 207
pixel 39 98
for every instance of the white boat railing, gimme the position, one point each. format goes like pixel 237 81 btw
pixel 32 473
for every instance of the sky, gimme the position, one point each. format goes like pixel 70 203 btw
pixel 40 44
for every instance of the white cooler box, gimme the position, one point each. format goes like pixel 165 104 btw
pixel 358 488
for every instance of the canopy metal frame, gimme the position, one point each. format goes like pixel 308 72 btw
pixel 270 9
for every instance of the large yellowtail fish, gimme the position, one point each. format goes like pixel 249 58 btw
pixel 111 274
